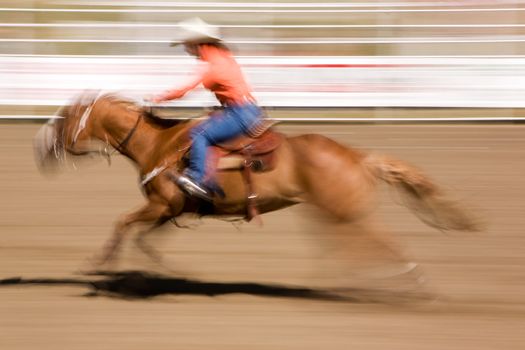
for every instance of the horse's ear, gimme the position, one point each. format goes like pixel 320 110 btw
pixel 61 113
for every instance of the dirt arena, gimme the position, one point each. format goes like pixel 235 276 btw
pixel 245 287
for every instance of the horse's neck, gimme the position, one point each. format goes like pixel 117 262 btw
pixel 148 145
pixel 117 124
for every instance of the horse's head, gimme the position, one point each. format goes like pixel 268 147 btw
pixel 60 134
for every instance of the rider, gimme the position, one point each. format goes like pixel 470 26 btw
pixel 221 75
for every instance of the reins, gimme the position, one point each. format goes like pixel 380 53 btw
pixel 121 146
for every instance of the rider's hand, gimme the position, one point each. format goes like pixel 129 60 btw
pixel 152 99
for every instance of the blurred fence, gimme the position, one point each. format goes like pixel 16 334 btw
pixel 468 54
pixel 280 82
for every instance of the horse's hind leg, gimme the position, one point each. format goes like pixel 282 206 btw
pixel 365 245
pixel 346 206
pixel 360 255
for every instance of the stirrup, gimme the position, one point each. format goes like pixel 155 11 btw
pixel 192 188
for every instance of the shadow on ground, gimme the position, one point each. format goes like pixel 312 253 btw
pixel 141 285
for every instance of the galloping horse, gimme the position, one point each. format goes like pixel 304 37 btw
pixel 340 181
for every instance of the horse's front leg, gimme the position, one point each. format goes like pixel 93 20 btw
pixel 150 215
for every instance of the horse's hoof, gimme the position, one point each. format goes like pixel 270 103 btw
pixel 92 266
pixel 409 267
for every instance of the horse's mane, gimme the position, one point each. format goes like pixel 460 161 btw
pixel 164 123
pixel 89 97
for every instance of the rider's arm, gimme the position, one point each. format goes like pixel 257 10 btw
pixel 191 84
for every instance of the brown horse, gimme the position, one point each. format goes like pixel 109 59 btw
pixel 340 181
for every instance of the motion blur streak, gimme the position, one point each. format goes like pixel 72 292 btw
pixel 292 284
pixel 465 59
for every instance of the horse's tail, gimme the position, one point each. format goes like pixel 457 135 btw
pixel 421 195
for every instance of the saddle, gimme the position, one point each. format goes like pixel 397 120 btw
pixel 249 155
pixel 256 153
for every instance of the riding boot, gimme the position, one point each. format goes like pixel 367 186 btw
pixel 193 188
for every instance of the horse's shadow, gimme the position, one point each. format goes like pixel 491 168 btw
pixel 143 285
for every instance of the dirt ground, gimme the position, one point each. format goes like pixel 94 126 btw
pixel 248 287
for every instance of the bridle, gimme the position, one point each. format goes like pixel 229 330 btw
pixel 122 145
pixel 82 124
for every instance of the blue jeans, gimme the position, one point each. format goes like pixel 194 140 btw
pixel 233 121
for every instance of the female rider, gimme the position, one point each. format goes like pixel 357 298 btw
pixel 221 75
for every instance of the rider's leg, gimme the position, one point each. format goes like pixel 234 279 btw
pixel 234 121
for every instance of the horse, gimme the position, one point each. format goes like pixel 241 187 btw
pixel 340 181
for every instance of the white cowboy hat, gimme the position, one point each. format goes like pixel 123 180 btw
pixel 196 30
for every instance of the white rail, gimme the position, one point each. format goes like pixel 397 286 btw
pixel 291 4
pixel 277 11
pixel 296 41
pixel 275 26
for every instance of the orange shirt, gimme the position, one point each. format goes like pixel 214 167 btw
pixel 222 76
